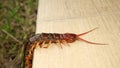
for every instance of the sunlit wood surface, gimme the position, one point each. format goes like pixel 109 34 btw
pixel 78 16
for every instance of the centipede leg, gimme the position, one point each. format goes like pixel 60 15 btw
pixel 42 44
pixel 32 49
pixel 63 41
pixel 59 43
pixel 39 44
pixel 48 44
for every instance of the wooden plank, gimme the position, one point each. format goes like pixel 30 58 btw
pixel 78 16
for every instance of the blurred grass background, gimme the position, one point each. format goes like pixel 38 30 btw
pixel 17 23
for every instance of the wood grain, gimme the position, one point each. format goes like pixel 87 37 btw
pixel 78 16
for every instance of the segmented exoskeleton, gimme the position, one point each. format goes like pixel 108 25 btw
pixel 48 38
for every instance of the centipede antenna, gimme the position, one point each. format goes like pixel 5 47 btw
pixel 87 32
pixel 91 42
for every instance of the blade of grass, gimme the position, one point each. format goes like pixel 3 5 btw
pixel 12 36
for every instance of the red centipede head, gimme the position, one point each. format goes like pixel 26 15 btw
pixel 70 37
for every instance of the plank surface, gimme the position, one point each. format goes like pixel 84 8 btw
pixel 78 16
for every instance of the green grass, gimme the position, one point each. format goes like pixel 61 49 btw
pixel 17 23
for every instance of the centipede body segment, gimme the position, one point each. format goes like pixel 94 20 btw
pixel 48 38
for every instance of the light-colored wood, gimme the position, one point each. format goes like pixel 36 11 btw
pixel 78 16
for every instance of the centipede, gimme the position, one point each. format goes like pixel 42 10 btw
pixel 49 38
